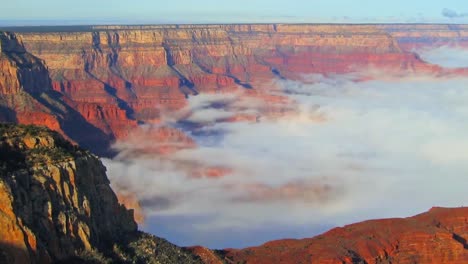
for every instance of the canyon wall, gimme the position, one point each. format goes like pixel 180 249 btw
pixel 112 78
pixel 27 97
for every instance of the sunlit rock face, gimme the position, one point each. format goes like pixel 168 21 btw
pixel 57 206
pixel 56 199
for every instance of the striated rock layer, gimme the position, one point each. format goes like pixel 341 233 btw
pixel 435 237
pixel 56 205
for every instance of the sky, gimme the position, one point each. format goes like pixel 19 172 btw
pixel 214 11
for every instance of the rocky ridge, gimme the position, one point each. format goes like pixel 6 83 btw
pixel 438 236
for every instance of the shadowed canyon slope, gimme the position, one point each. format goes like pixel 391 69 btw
pixel 110 78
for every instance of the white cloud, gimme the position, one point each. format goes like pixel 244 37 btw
pixel 350 151
pixel 449 56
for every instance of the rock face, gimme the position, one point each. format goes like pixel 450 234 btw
pixel 438 236
pixel 55 197
pixel 57 205
pixel 21 75
pixel 111 78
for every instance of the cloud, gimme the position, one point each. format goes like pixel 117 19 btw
pixel 453 14
pixel 339 151
pixel 302 191
pixel 448 56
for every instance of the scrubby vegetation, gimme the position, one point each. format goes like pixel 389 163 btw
pixel 15 154
pixel 142 248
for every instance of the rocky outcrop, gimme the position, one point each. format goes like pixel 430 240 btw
pixel 56 198
pixel 438 236
pixel 57 205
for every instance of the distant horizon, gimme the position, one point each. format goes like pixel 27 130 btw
pixel 54 23
pixel 95 27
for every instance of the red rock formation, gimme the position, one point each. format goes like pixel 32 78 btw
pixel 21 77
pixel 206 255
pixel 19 70
pixel 154 66
pixel 154 141
pixel 438 236
pixel 27 97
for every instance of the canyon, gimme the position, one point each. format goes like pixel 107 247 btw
pixel 106 80
pixel 101 87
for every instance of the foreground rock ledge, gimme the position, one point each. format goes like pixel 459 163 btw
pixel 56 205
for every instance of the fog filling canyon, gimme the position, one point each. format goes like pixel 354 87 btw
pixel 331 150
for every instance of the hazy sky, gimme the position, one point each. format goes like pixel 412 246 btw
pixel 191 11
